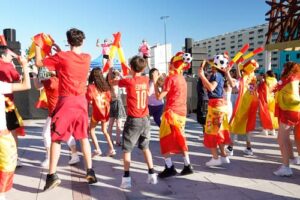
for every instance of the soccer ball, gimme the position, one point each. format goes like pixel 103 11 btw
pixel 220 61
pixel 187 58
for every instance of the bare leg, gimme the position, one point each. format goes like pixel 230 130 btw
pixel 86 150
pixel 148 158
pixel 110 126
pixel 104 130
pixel 214 153
pixel 126 160
pixel 93 125
pixel 118 131
pixel 54 156
pixel 222 150
pixel 284 142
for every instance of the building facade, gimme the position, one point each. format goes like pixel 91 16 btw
pixel 232 42
pixel 159 59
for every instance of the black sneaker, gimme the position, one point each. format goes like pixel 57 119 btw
pixel 187 170
pixel 168 172
pixel 90 176
pixel 52 181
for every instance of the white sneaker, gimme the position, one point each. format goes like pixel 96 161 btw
pixel 225 160
pixel 152 179
pixel 213 162
pixel 126 182
pixel 45 163
pixel 248 152
pixel 19 163
pixel 283 171
pixel 295 161
pixel 264 132
pixel 74 159
pixel 229 152
pixel 273 132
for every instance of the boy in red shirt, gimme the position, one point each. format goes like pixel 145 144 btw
pixel 137 125
pixel 172 137
pixel 70 115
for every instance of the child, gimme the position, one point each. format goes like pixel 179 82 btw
pixel 117 111
pixel 155 106
pixel 50 86
pixel 98 93
pixel 8 153
pixel 171 134
pixel 70 115
pixel 287 110
pixel 105 50
pixel 216 126
pixel 137 125
pixel 144 51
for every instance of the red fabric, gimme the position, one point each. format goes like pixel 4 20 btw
pixel 100 102
pixel 177 146
pixel 238 101
pixel 42 104
pixel 6 181
pixel 176 87
pixel 137 95
pixel 72 70
pixel 252 116
pixel 264 114
pixel 212 141
pixel 291 118
pixel 9 74
pixel 297 132
pixel 70 117
pixel 51 89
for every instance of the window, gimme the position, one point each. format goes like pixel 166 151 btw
pixel 217 49
pixel 260 30
pixel 223 43
pixel 251 44
pixel 217 45
pixel 287 57
pixel 251 32
pixel 232 47
pixel 217 40
pixel 251 38
pixel 274 52
pixel 209 51
pixel 232 52
pixel 240 40
pixel 223 48
pixel 240 35
pixel 260 36
pixel 204 43
pixel 223 38
pixel 259 60
pixel 260 42
pixel 209 46
pixel 209 42
pixel 232 42
pixel 298 55
pixel 232 37
pixel 274 65
pixel 274 59
pixel 240 46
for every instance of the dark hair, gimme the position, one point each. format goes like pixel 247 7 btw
pixel 75 37
pixel 290 68
pixel 3 50
pixel 98 79
pixel 138 64
pixel 270 73
pixel 151 73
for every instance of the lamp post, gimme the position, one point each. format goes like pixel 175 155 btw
pixel 165 31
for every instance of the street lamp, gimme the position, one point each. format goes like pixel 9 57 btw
pixel 165 30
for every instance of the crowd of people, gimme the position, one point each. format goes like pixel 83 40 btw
pixel 227 103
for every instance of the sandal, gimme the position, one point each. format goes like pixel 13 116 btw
pixel 96 153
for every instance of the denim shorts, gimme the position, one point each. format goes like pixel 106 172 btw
pixel 136 132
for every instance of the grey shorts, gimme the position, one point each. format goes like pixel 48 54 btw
pixel 136 131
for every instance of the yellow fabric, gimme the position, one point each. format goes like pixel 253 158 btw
pixel 271 83
pixel 8 153
pixel 216 119
pixel 177 121
pixel 288 97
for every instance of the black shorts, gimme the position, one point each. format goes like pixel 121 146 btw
pixel 106 56
pixel 136 131
pixel 12 121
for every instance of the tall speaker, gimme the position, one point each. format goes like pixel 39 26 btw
pixel 188 45
pixel 10 34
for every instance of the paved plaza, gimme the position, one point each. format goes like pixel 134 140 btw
pixel 247 177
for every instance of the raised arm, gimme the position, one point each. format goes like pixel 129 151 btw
pixel 208 85
pixel 25 84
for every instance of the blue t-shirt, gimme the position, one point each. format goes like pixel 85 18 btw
pixel 218 91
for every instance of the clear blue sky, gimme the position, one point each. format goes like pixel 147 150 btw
pixel 135 19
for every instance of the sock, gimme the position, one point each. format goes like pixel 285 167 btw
pixel 230 148
pixel 186 160
pixel 168 162
pixel 126 174
pixel 151 171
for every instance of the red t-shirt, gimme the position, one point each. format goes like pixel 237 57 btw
pixel 51 89
pixel 72 70
pixel 9 74
pixel 100 102
pixel 176 87
pixel 137 95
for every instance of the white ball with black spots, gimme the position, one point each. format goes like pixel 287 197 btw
pixel 220 61
pixel 187 58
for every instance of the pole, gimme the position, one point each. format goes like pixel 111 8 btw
pixel 165 31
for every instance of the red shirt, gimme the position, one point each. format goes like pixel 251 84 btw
pixel 51 89
pixel 72 70
pixel 100 102
pixel 137 95
pixel 176 97
pixel 9 74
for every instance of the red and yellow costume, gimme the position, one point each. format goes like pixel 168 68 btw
pixel 171 134
pixel 267 104
pixel 244 113
pixel 287 100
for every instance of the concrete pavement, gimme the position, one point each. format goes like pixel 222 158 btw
pixel 247 177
